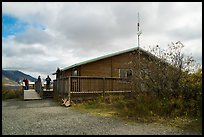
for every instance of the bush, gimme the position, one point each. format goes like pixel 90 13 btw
pixel 10 94
pixel 149 105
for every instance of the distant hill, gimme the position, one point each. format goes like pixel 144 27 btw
pixel 15 76
pixel 7 81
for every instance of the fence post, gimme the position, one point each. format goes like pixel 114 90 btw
pixel 61 87
pixel 40 89
pixel 57 87
pixel 104 89
pixel 69 89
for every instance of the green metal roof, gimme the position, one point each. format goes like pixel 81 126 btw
pixel 103 57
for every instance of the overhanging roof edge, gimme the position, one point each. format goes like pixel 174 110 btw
pixel 103 57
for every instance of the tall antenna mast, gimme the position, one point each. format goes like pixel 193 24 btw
pixel 138 40
pixel 138 31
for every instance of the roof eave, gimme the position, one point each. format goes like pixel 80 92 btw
pixel 103 57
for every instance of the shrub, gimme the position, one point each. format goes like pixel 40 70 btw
pixel 10 94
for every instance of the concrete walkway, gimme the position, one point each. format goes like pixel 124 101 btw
pixel 31 94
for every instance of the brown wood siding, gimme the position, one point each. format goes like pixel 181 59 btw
pixel 101 68
pixel 119 62
pixel 68 73
pixel 108 67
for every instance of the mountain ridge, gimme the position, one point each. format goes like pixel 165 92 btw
pixel 16 75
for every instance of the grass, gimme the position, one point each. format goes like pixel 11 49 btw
pixel 186 123
pixel 11 94
pixel 94 108
pixel 128 110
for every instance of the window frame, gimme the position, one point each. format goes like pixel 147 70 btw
pixel 75 72
pixel 126 78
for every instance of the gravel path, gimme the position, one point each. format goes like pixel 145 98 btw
pixel 44 117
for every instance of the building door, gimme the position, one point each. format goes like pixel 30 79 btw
pixel 75 81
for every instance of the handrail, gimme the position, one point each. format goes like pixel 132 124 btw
pixel 38 88
pixel 94 77
pixel 66 86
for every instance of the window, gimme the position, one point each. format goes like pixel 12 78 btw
pixel 125 73
pixel 74 72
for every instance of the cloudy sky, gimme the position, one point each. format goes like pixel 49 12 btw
pixel 39 37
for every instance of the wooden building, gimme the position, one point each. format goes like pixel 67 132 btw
pixel 113 65
pixel 109 74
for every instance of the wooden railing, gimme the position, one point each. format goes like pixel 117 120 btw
pixel 38 88
pixel 83 85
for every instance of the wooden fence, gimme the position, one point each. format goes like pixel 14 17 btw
pixel 38 88
pixel 81 87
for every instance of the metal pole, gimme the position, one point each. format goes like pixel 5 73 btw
pixel 138 33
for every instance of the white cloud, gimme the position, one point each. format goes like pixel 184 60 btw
pixel 75 31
